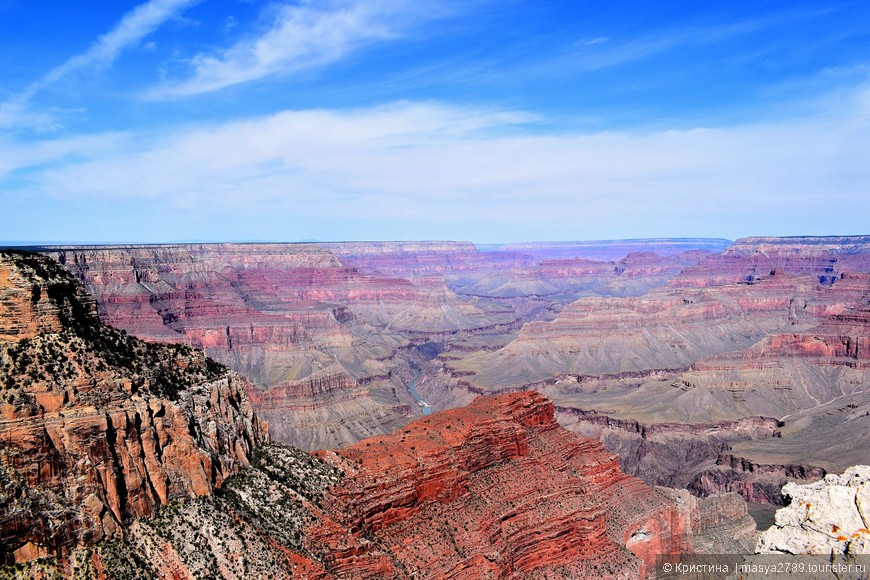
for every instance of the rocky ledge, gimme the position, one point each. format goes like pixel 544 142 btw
pixel 495 490
pixel 498 489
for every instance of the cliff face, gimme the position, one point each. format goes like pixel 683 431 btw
pixel 324 330
pixel 35 299
pixel 286 316
pixel 667 329
pixel 97 427
pixel 773 330
pixel 494 490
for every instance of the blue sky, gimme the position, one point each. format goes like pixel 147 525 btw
pixel 491 121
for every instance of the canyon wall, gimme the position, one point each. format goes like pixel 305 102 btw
pixel 328 333
pixel 646 334
pixel 97 427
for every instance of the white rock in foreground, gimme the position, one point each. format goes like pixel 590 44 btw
pixel 829 516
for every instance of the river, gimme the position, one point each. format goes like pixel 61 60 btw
pixel 412 387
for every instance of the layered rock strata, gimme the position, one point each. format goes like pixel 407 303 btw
pixel 534 498
pixel 494 490
pixel 288 316
pixel 772 330
pixel 324 329
pixel 97 427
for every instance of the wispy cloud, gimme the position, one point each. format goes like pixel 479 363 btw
pixel 132 28
pixel 299 37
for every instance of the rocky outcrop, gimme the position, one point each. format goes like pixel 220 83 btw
pixel 670 454
pixel 36 299
pixel 499 487
pixel 97 427
pixel 719 523
pixel 757 483
pixel 493 490
pixel 830 517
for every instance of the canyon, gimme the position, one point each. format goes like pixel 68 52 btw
pixel 705 365
pixel 121 458
pixel 330 334
pixel 740 373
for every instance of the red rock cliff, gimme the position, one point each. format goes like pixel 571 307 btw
pixel 97 427
pixel 498 489
pixel 494 490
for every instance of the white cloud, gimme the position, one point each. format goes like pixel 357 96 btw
pixel 299 37
pixel 133 27
pixel 425 161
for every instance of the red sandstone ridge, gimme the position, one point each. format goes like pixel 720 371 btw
pixel 498 489
pixel 494 490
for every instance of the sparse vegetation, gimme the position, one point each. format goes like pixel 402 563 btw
pixel 81 363
pixel 236 529
pixel 85 345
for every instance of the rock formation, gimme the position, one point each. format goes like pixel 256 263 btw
pixel 732 371
pixel 286 316
pixel 830 516
pixel 497 489
pixel 743 372
pixel 97 427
